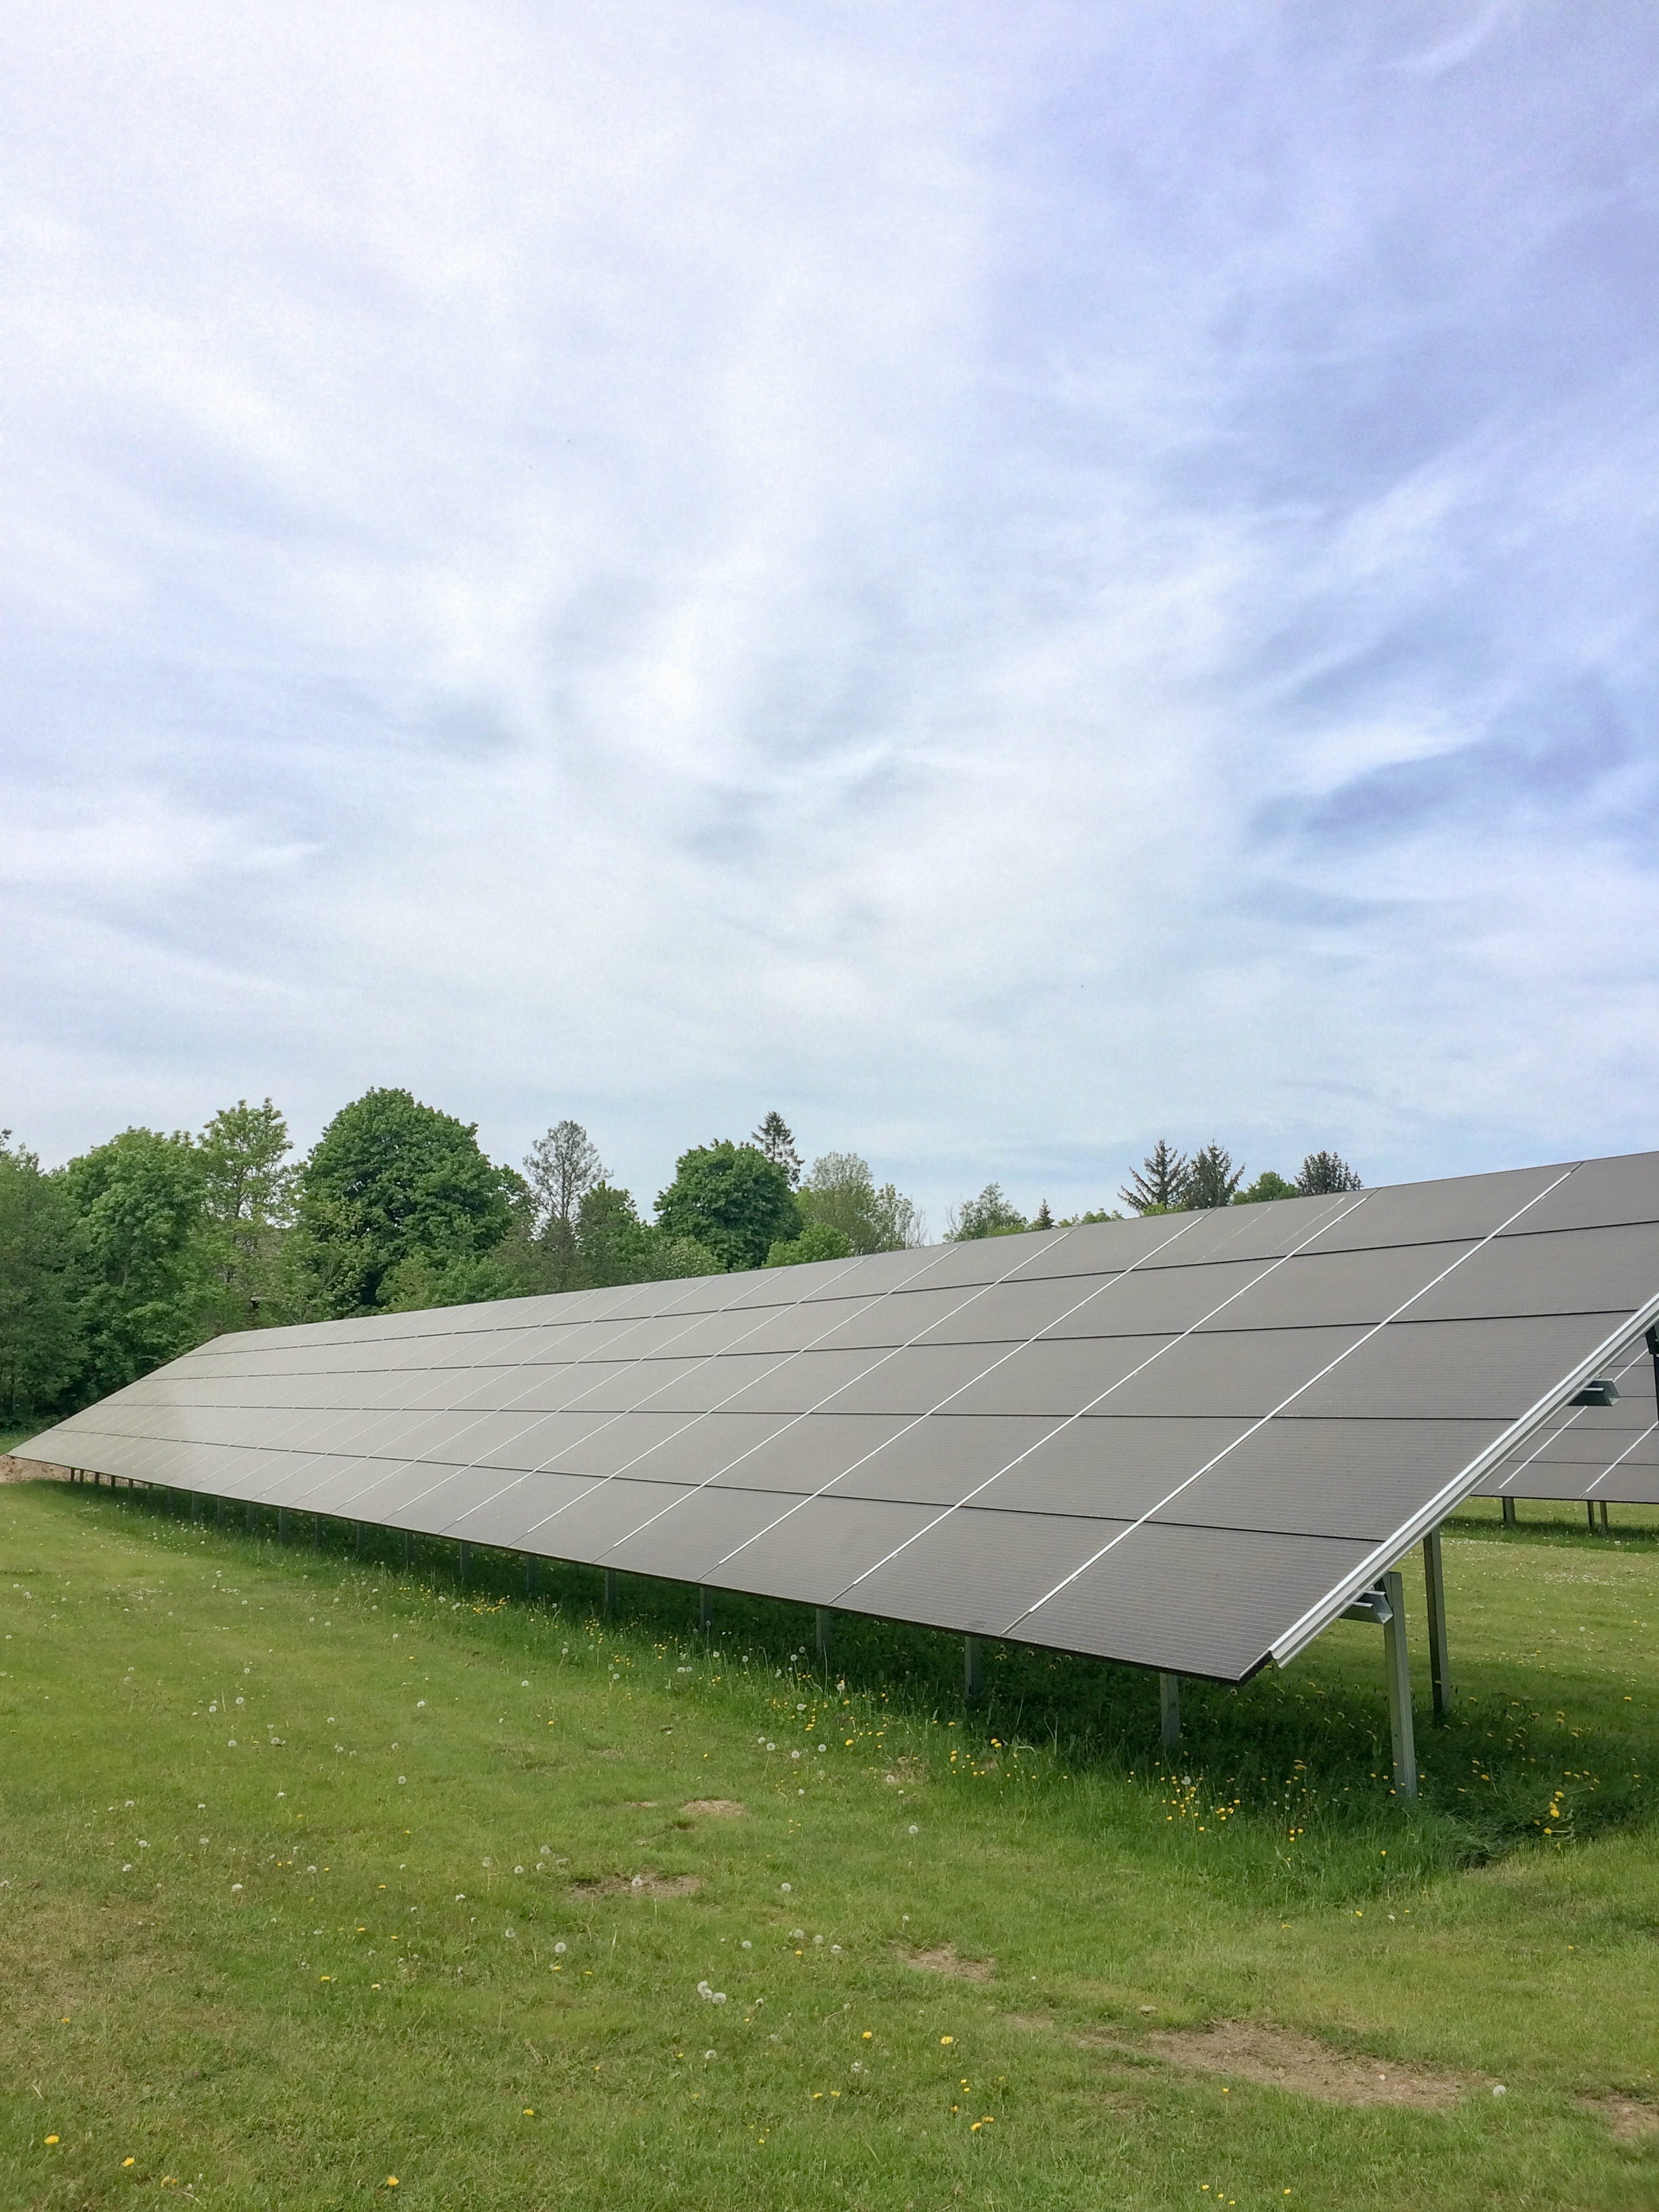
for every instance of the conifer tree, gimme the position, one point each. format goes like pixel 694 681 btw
pixel 1325 1171
pixel 1160 1184
pixel 774 1141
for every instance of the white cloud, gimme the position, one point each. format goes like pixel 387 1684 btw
pixel 1001 583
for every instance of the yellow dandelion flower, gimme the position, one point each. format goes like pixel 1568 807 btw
pixel 529 2111
pixel 947 2039
pixel 127 2161
pixel 51 2139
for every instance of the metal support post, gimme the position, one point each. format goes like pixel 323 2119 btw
pixel 529 1574
pixel 316 1532
pixel 218 1512
pixel 1397 1667
pixel 972 1670
pixel 1509 1513
pixel 610 1590
pixel 282 1524
pixel 705 1609
pixel 1168 1703
pixel 408 1549
pixel 1606 1529
pixel 821 1633
pixel 357 1536
pixel 247 1518
pixel 1590 1510
pixel 1434 1598
pixel 464 1552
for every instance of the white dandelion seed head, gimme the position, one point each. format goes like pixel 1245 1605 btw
pixel 235 1887
pixel 836 1948
pixel 914 1829
pixel 558 1950
pixel 747 1945
pixel 708 2054
pixel 461 1897
pixel 718 1998
pixel 518 1869
pixel 402 1778
pixel 795 1935
pixel 785 1887
pixel 794 1754
pixel 1499 2090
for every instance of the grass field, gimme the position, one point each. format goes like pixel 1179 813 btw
pixel 314 1873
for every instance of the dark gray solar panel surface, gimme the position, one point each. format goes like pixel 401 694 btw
pixel 1184 1442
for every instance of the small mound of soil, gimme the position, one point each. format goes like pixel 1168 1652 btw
pixel 1279 2059
pixel 1628 2119
pixel 726 1807
pixel 944 1960
pixel 639 1804
pixel 643 1884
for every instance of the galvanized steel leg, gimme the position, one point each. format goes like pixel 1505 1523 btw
pixel 530 1574
pixel 973 1671
pixel 1168 1702
pixel 1397 1667
pixel 1606 1527
pixel 282 1524
pixel 247 1520
pixel 821 1633
pixel 1590 1510
pixel 610 1589
pixel 316 1532
pixel 408 1549
pixel 1509 1513
pixel 357 1536
pixel 465 1561
pixel 705 1609
pixel 1434 1593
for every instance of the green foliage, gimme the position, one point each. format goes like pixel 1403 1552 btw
pixel 1159 1185
pixel 561 1168
pixel 1267 1186
pixel 1211 1178
pixel 247 1206
pixel 842 1193
pixel 136 1203
pixel 613 1245
pixel 390 1181
pixel 1325 1171
pixel 40 1340
pixel 732 1200
pixel 990 1214
pixel 819 1240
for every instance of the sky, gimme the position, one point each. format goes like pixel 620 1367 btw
pixel 1004 580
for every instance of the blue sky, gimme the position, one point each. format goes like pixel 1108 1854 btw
pixel 1007 580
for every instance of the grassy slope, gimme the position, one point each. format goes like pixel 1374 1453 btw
pixel 299 2039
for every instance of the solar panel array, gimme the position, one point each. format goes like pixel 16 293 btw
pixel 1183 1441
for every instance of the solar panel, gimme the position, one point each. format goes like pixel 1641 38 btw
pixel 1186 1441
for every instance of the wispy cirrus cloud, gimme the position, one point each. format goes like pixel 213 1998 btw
pixel 1002 584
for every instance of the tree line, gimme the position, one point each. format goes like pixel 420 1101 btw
pixel 152 1242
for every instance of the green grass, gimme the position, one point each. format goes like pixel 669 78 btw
pixel 277 1973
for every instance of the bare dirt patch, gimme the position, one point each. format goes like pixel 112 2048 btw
pixel 944 1959
pixel 1279 2059
pixel 905 1771
pixel 1628 2119
pixel 722 1807
pixel 639 1804
pixel 30 1470
pixel 643 1884
pixel 606 1754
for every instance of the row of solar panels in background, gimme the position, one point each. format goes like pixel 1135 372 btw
pixel 1602 1452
